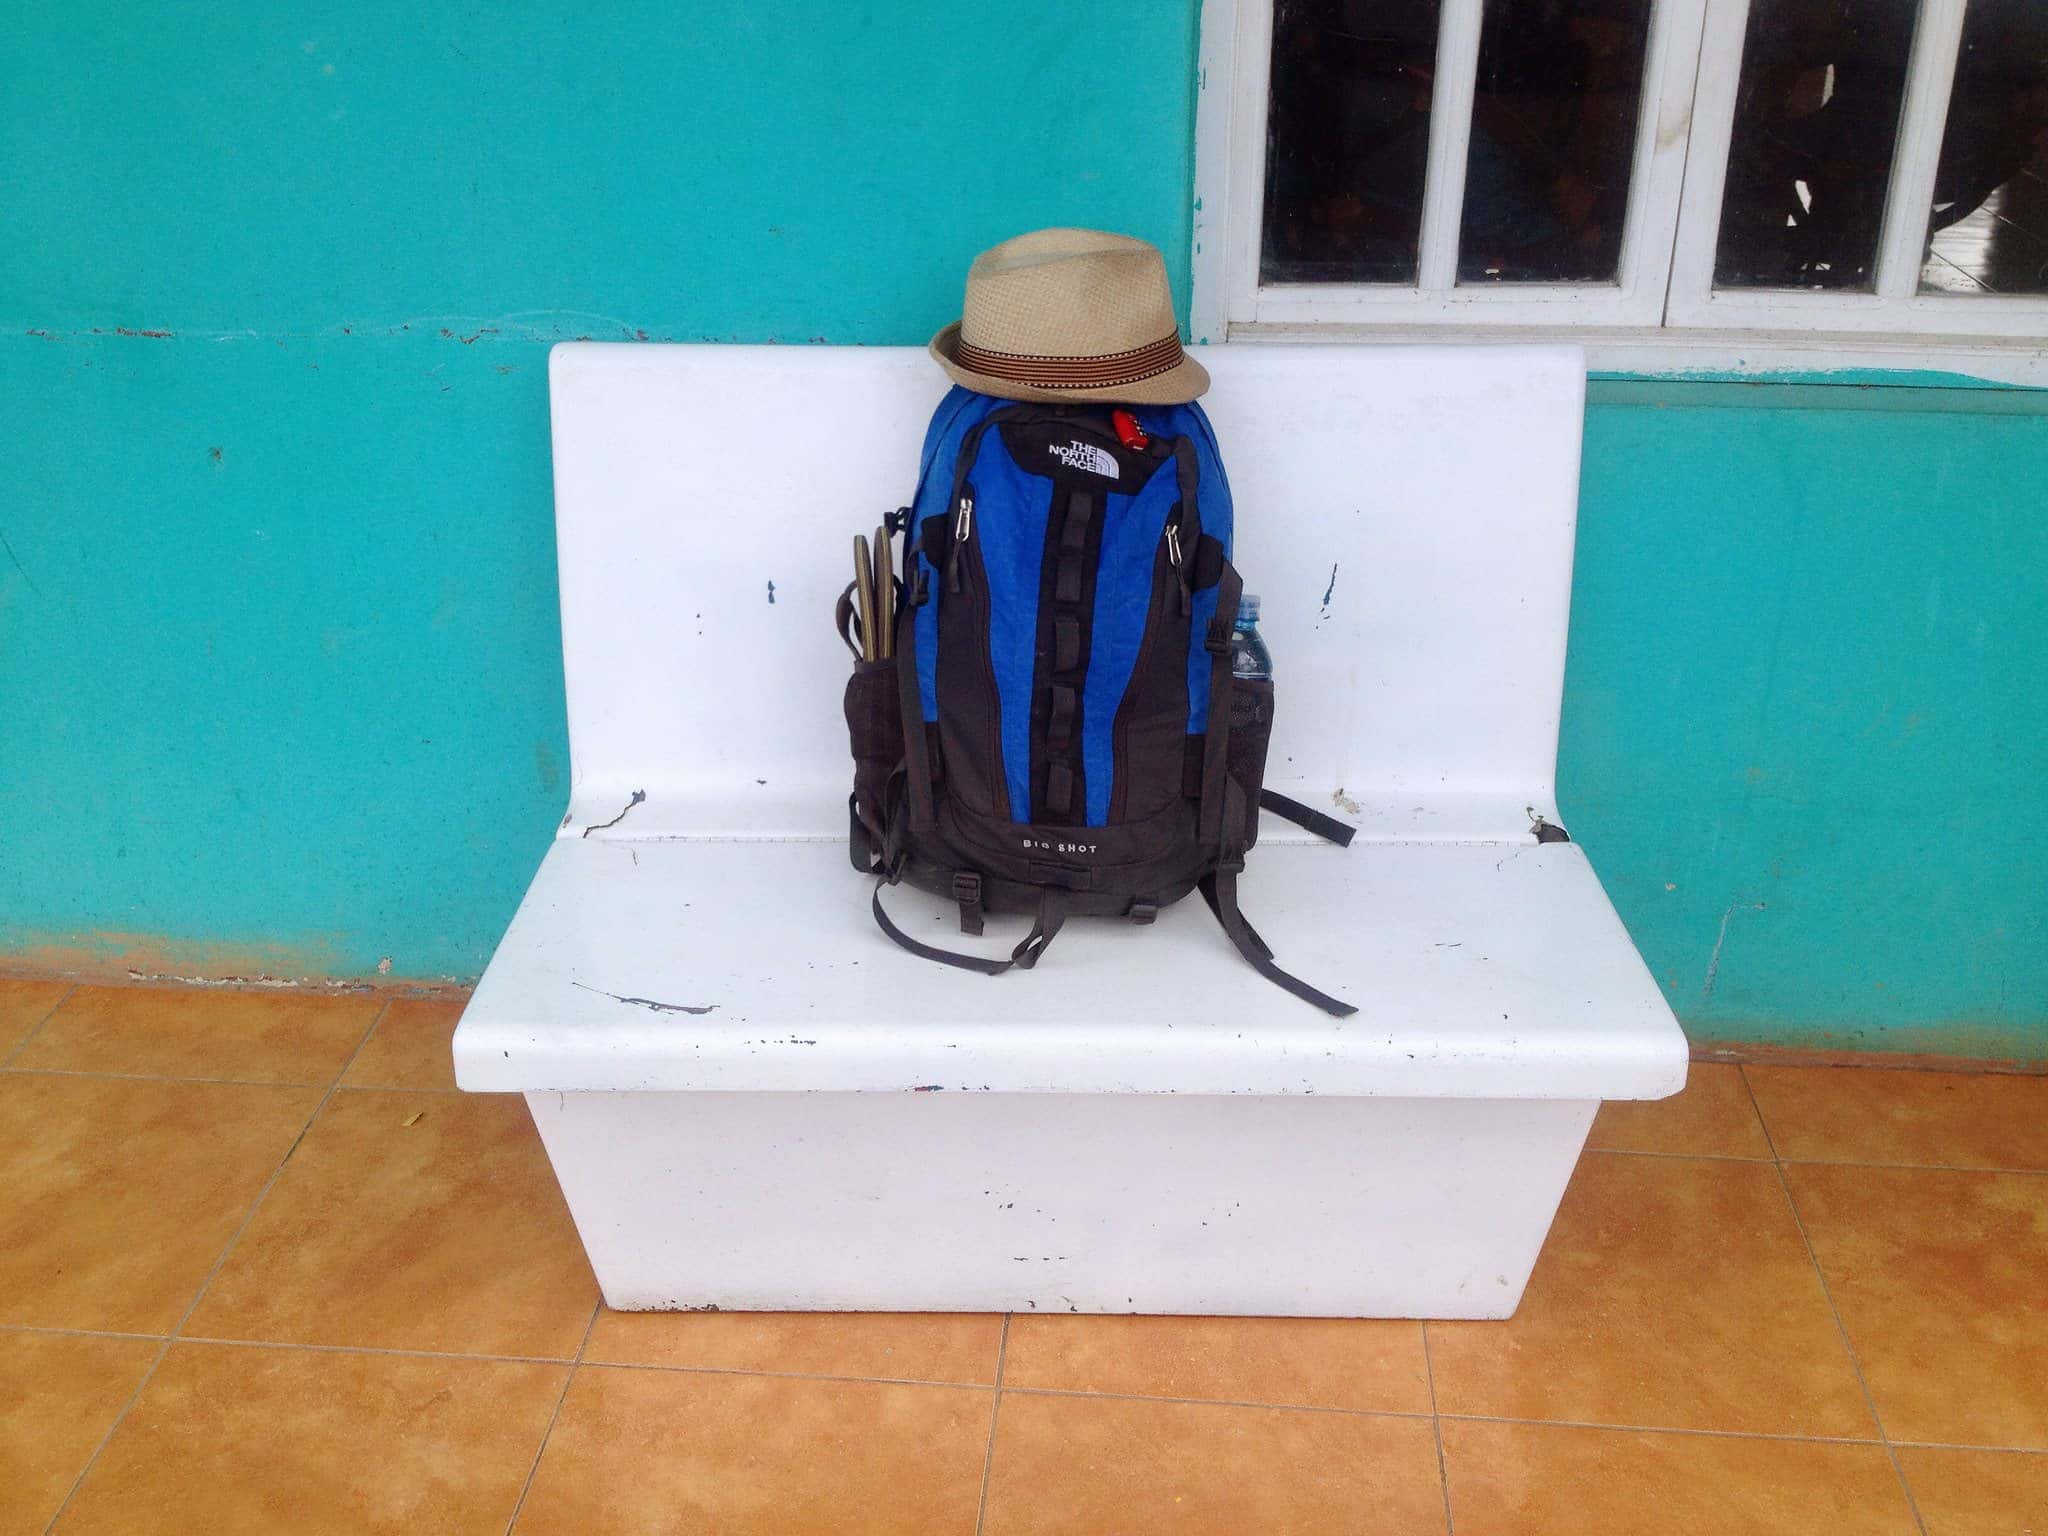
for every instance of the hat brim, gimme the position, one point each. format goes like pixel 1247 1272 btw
pixel 1183 382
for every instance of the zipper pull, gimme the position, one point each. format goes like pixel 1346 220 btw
pixel 962 526
pixel 1173 558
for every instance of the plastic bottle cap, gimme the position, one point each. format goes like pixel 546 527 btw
pixel 1248 609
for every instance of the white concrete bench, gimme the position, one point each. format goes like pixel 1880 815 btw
pixel 753 1100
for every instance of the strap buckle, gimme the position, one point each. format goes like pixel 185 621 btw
pixel 967 893
pixel 1144 910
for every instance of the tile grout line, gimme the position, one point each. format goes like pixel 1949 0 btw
pixel 739 1370
pixel 561 1397
pixel 582 1361
pixel 220 1082
pixel 37 1028
pixel 1668 1429
pixel 445 1093
pixel 83 1333
pixel 92 1460
pixel 1995 1450
pixel 248 1218
pixel 374 1349
pixel 1822 1162
pixel 1841 1328
pixel 214 1341
pixel 1215 1402
pixel 1686 1157
pixel 1075 1392
pixel 1817 1162
pixel 1756 1111
pixel 995 1409
pixel 1740 1434
pixel 1436 1424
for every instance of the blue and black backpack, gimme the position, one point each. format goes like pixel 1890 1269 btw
pixel 1077 742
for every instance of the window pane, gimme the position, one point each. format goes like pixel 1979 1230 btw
pixel 1553 140
pixel 1816 123
pixel 1347 139
pixel 1991 188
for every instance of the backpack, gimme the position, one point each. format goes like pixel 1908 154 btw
pixel 1059 731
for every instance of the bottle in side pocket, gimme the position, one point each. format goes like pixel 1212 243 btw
pixel 1251 709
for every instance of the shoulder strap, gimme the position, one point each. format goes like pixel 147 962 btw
pixel 1219 890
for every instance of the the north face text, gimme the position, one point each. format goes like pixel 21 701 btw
pixel 1096 461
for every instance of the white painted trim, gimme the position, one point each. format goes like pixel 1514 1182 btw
pixel 1245 166
pixel 1994 317
pixel 1923 121
pixel 1210 228
pixel 1456 74
pixel 1671 67
pixel 1706 168
pixel 1660 350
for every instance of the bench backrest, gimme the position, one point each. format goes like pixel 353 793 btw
pixel 1405 514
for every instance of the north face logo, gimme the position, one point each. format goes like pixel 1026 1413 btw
pixel 1096 461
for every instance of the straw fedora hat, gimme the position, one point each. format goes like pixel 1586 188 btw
pixel 1070 314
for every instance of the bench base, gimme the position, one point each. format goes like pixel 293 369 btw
pixel 944 1200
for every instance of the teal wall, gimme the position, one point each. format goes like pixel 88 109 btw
pixel 1806 710
pixel 280 688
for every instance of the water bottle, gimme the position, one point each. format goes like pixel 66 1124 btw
pixel 1249 657
pixel 1251 709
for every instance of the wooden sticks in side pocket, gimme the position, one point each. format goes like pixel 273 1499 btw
pixel 874 595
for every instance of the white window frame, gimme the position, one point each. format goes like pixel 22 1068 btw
pixel 1896 305
pixel 1663 314
pixel 1658 173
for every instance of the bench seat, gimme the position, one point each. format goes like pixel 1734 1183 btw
pixel 752 1099
pixel 1480 970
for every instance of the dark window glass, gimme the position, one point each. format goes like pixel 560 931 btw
pixel 1990 226
pixel 1553 139
pixel 1816 125
pixel 1347 139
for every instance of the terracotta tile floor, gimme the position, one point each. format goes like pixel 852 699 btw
pixel 263 1270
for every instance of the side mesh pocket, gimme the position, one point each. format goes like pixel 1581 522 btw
pixel 1251 731
pixel 874 726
